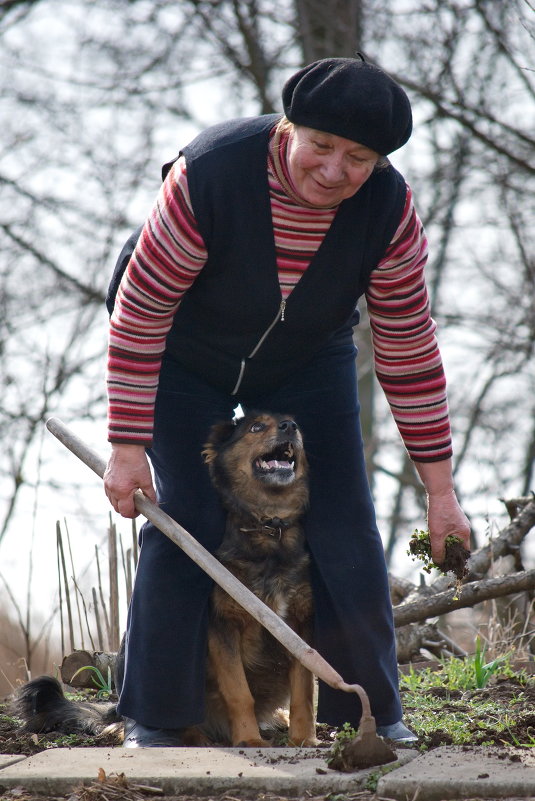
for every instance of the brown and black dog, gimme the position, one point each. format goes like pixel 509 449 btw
pixel 259 468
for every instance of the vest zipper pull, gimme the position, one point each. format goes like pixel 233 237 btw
pixel 280 316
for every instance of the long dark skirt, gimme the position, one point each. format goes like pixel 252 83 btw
pixel 353 630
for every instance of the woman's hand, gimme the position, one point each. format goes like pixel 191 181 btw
pixel 128 470
pixel 444 518
pixel 444 515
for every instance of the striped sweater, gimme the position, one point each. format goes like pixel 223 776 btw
pixel 169 256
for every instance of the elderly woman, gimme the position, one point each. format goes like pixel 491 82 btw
pixel 242 289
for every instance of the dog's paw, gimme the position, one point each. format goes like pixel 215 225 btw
pixel 195 737
pixel 281 719
pixel 305 742
pixel 254 743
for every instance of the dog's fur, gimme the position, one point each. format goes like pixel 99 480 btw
pixel 258 465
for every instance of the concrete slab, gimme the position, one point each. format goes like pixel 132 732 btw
pixel 454 772
pixel 10 759
pixel 198 771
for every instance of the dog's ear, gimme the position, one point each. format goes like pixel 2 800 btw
pixel 220 433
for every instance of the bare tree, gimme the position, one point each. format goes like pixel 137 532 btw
pixel 96 95
pixel 327 29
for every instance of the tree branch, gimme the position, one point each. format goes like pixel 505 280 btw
pixel 468 595
pixel 460 114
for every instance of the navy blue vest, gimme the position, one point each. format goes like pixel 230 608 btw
pixel 236 298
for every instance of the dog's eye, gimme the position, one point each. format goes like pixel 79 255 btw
pixel 256 427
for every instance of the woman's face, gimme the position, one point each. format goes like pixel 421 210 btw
pixel 325 168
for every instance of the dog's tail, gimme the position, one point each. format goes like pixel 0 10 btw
pixel 42 707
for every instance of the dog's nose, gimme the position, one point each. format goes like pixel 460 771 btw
pixel 287 425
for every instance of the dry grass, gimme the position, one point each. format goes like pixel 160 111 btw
pixel 14 656
pixel 90 619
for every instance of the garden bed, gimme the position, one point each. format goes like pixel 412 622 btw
pixel 442 703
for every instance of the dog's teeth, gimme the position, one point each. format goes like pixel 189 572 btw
pixel 274 464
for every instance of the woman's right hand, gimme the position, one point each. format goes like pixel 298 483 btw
pixel 128 470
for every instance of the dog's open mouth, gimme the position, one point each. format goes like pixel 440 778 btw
pixel 278 464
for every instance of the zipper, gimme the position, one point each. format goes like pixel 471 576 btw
pixel 279 316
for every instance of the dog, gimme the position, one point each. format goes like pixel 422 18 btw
pixel 259 468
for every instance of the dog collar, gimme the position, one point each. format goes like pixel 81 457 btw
pixel 274 526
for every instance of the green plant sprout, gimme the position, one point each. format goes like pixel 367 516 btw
pixel 344 733
pixel 482 671
pixel 529 744
pixel 103 685
pixel 471 673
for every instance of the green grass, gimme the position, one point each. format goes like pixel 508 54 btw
pixel 451 706
pixel 456 720
pixel 461 674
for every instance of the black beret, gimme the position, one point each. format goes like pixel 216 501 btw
pixel 350 98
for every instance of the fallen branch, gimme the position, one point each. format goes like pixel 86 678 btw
pixel 467 595
pixel 515 505
pixel 508 541
pixel 409 641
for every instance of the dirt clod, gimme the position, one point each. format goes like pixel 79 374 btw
pixel 456 557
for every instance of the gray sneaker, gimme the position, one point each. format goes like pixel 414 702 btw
pixel 138 736
pixel 397 732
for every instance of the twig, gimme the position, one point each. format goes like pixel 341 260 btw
pixel 60 593
pixel 114 588
pixel 8 680
pixel 74 582
pixel 134 543
pixel 79 592
pixel 125 560
pixel 102 602
pixel 59 539
pixel 97 619
pixel 129 560
pixel 454 648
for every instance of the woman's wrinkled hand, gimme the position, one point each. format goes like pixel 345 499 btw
pixel 128 470
pixel 445 518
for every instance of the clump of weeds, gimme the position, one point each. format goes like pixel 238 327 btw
pixel 455 561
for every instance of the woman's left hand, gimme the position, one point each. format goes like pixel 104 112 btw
pixel 444 515
pixel 444 518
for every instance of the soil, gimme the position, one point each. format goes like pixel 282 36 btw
pixel 455 560
pixel 509 693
